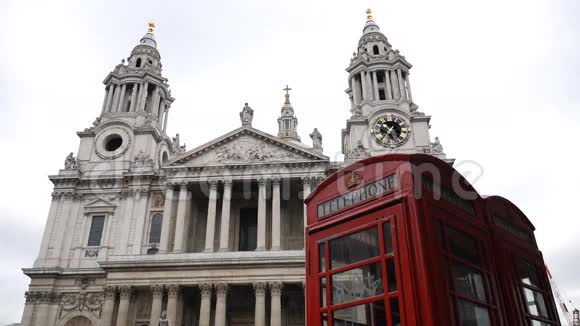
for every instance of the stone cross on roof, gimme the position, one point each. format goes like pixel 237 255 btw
pixel 287 89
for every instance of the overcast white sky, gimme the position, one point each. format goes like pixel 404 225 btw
pixel 500 79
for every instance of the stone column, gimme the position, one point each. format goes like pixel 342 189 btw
pixel 305 192
pixel 108 306
pixel 354 88
pixel 134 97
pixel 165 118
pixel 110 97
pixel 160 108
pixel 105 100
pixel 363 80
pixel 139 211
pixel 155 103
pixel 401 84
pixel 211 214
pixel 408 84
pixel 143 102
pixel 123 311
pixel 49 230
pixel 370 86
pixel 395 85
pixel 260 308
pixel 116 98
pixel 388 88
pixel 305 300
pixel 261 243
pixel 225 227
pixel 139 97
pixel 276 304
pixel 121 98
pixel 179 242
pixel 376 86
pixel 157 291
pixel 204 310
pixel 172 296
pixel 220 305
pixel 167 214
pixel 276 214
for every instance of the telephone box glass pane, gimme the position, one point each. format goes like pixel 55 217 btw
pixel 534 322
pixel 462 245
pixel 371 314
pixel 357 283
pixel 323 292
pixel 354 247
pixel 473 315
pixel 392 278
pixel 321 257
pixel 388 237
pixel 535 303
pixel 395 313
pixel 468 282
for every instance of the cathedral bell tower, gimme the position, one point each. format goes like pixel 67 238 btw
pixel 131 129
pixel 384 119
pixel 287 123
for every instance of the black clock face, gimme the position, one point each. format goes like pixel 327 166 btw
pixel 390 131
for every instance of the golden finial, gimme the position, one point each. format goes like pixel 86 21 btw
pixel 151 28
pixel 369 14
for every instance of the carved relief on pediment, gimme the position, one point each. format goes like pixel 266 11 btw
pixel 248 152
pixel 246 149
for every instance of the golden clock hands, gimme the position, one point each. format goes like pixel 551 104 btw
pixel 390 131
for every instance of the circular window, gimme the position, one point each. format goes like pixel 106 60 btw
pixel 113 142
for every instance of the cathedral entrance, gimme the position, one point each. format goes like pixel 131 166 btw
pixel 79 321
pixel 248 229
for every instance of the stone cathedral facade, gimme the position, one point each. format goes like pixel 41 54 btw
pixel 141 230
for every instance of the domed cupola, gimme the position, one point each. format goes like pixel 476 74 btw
pixel 287 123
pixel 137 89
pixel 373 42
pixel 145 55
pixel 370 26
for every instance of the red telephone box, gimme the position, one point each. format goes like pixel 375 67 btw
pixel 406 240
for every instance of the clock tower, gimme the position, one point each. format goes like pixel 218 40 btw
pixel 384 119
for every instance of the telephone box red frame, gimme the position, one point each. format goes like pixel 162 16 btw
pixel 429 207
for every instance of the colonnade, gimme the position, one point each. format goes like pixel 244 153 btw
pixel 115 100
pixel 390 84
pixel 183 202
pixel 206 290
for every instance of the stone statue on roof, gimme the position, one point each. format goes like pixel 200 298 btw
pixel 247 115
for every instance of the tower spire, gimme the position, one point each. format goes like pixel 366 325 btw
pixel 369 14
pixel 287 95
pixel 287 122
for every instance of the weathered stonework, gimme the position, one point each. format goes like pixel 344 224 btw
pixel 138 224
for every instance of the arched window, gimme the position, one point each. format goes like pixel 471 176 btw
pixel 164 158
pixel 138 64
pixel 376 49
pixel 155 231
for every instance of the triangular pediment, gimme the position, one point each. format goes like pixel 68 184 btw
pixel 99 205
pixel 246 145
pixel 98 202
